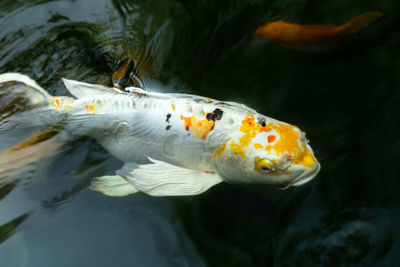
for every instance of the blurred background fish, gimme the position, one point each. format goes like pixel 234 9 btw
pixel 314 37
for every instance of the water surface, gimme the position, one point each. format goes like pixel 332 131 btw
pixel 346 99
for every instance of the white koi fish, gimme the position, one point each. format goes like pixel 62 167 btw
pixel 172 144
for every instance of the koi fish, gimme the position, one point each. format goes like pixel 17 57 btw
pixel 314 37
pixel 129 71
pixel 127 74
pixel 172 144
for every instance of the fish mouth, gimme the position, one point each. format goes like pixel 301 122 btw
pixel 306 177
pixel 302 178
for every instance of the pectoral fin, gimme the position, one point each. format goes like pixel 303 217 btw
pixel 115 186
pixel 163 179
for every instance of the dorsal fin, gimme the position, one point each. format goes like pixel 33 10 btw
pixel 81 89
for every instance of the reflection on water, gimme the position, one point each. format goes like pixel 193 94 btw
pixel 347 100
pixel 8 229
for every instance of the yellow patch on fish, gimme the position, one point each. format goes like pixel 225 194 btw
pixel 287 141
pixel 220 150
pixel 173 107
pixel 307 159
pixel 251 129
pixel 237 149
pixel 91 109
pixel 199 128
pixel 258 146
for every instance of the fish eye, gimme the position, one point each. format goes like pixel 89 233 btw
pixel 265 166
pixel 265 169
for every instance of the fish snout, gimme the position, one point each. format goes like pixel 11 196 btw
pixel 307 174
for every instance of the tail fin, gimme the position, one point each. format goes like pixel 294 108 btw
pixel 22 102
pixel 359 22
pixel 19 84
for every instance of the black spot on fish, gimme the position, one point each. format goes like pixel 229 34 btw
pixel 261 121
pixel 168 117
pixel 215 115
pixel 168 127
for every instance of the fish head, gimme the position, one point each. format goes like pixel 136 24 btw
pixel 271 30
pixel 268 152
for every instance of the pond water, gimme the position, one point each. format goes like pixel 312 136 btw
pixel 347 99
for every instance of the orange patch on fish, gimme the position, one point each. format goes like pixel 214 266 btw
pixel 91 109
pixel 271 138
pixel 61 103
pixel 55 101
pixel 199 128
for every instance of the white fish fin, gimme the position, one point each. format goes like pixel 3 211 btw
pixel 163 179
pixel 18 77
pixel 23 103
pixel 114 186
pixel 26 88
pixel 81 89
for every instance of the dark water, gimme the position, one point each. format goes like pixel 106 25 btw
pixel 347 100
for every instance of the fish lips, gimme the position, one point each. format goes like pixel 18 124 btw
pixel 306 176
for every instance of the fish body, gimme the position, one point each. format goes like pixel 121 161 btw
pixel 177 144
pixel 314 37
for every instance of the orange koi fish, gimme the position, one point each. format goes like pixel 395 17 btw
pixel 314 37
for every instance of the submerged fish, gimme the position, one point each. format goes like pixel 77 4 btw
pixel 314 37
pixel 127 74
pixel 172 144
pixel 132 71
